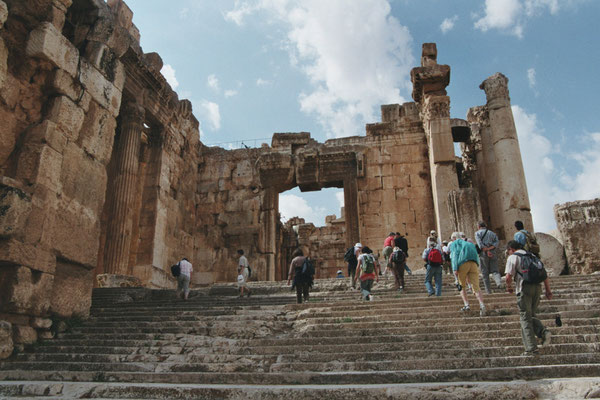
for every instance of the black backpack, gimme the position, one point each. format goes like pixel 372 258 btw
pixel 175 270
pixel 532 268
pixel 308 269
pixel 398 257
pixel 349 256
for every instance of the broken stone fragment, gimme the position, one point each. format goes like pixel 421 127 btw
pixel 6 341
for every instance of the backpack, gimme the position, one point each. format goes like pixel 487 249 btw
pixel 308 269
pixel 175 270
pixel 349 256
pixel 434 258
pixel 531 244
pixel 398 257
pixel 368 264
pixel 532 268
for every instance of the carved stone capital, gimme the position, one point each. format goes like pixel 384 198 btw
pixel 495 87
pixel 132 114
pixel 436 107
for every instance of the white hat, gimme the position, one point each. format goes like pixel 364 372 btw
pixel 339 271
pixel 358 245
pixel 433 233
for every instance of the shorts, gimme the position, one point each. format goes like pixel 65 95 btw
pixel 469 270
pixel 242 278
pixel 183 283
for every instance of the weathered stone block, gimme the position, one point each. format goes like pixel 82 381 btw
pixel 100 88
pixel 84 179
pixel 34 256
pixel 72 290
pixel 48 43
pixel 67 115
pixel 15 206
pixel 98 132
pixel 113 280
pixel 3 62
pixel 40 323
pixel 3 13
pixel 60 82
pixel 24 334
pixel 47 132
pixel 24 291
pixel 6 340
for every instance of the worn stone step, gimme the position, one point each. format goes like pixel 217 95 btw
pixel 513 372
pixel 563 389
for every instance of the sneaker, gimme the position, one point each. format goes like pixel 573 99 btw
pixel 482 312
pixel 465 308
pixel 368 298
pixel 409 272
pixel 546 337
pixel 530 353
pixel 430 294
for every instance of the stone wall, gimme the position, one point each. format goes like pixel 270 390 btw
pixel 579 226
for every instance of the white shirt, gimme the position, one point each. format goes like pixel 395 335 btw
pixel 243 263
pixel 513 263
pixel 185 267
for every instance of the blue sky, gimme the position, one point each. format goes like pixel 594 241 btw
pixel 252 68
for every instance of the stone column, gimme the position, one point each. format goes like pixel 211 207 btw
pixel 351 211
pixel 480 126
pixel 510 197
pixel 429 91
pixel 119 230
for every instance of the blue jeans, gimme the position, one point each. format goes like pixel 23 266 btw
pixel 435 273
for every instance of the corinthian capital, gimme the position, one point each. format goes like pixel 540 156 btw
pixel 495 87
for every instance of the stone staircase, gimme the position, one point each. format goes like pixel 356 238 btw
pixel 141 343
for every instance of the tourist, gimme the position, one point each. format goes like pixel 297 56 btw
pixel 464 259
pixel 432 238
pixel 340 274
pixel 526 239
pixel 401 242
pixel 303 280
pixel 243 274
pixel 488 243
pixel 434 259
pixel 353 262
pixel 396 261
pixel 388 245
pixel 367 271
pixel 446 254
pixel 528 299
pixel 183 280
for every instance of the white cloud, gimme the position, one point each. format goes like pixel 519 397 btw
pixel 340 198
pixel 230 93
pixel 212 82
pixel 352 71
pixel 209 112
pixel 291 206
pixel 169 73
pixel 511 15
pixel 448 24
pixel 262 82
pixel 531 77
pixel 548 184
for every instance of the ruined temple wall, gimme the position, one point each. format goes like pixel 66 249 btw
pixel 229 202
pixel 395 193
pixel 58 104
pixel 579 226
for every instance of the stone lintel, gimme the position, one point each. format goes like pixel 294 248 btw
pixel 289 139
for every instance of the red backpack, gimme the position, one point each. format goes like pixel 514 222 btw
pixel 434 257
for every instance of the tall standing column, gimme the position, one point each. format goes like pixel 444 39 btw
pixel 118 235
pixel 429 91
pixel 511 194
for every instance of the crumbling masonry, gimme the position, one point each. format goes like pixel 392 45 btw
pixel 102 174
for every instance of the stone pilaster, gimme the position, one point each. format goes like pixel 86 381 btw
pixel 119 230
pixel 351 211
pixel 507 196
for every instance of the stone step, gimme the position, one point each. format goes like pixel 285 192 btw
pixel 432 351
pixel 378 344
pixel 546 389
pixel 513 372
pixel 347 335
